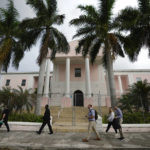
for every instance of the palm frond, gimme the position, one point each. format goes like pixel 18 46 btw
pixel 83 20
pixel 60 40
pixel 83 31
pixel 89 10
pixel 52 7
pixel 85 44
pixel 126 19
pixel 144 6
pixel 58 19
pixel 38 6
pixel 18 54
pixel 29 38
pixel 95 47
pixel 5 49
pixel 115 45
pixel 105 10
pixel 33 23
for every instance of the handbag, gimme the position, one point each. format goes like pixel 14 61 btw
pixel 1 123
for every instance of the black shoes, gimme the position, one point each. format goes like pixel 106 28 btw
pixel 121 138
pixel 38 132
pixel 50 133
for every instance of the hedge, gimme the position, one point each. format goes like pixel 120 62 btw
pixel 127 117
pixel 26 117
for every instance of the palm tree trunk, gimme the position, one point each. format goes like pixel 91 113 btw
pixel 40 87
pixel 0 73
pixel 111 82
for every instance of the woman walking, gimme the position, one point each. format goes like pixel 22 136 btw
pixel 110 119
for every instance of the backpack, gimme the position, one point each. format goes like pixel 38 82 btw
pixel 96 115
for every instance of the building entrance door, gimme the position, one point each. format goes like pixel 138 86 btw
pixel 78 98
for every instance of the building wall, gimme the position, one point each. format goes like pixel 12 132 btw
pixel 16 80
pixel 98 82
pixel 128 77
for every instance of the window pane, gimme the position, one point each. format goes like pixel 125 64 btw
pixel 23 83
pixel 138 79
pixel 7 82
pixel 77 72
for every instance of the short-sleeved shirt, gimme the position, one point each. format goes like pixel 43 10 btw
pixel 118 113
pixel 91 113
pixel 6 112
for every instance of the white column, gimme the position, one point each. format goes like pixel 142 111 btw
pixel 46 85
pixel 120 84
pixel 68 77
pixel 87 77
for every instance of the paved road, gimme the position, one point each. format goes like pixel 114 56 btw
pixel 66 141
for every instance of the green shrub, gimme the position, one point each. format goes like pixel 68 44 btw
pixel 26 117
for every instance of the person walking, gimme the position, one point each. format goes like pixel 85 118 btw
pixel 46 120
pixel 110 119
pixel 119 120
pixel 4 119
pixel 92 124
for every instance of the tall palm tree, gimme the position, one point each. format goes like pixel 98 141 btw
pixel 95 30
pixel 11 48
pixel 43 26
pixel 136 23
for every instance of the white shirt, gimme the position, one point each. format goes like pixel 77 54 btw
pixel 111 117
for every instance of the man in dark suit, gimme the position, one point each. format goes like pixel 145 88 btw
pixel 5 114
pixel 46 120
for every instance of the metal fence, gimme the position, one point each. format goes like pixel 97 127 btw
pixel 71 109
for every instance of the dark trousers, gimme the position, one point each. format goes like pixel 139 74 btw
pixel 109 125
pixel 6 124
pixel 49 126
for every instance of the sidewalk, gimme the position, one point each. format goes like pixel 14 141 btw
pixel 32 126
pixel 29 140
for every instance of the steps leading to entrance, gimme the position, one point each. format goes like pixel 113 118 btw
pixel 71 119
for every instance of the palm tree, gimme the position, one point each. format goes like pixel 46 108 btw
pixel 43 26
pixel 7 98
pixel 95 30
pixel 23 99
pixel 11 47
pixel 136 23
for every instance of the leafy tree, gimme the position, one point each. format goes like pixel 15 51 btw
pixel 135 22
pixel 96 32
pixel 138 96
pixel 11 48
pixel 42 26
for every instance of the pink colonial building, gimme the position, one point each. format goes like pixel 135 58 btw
pixel 78 79
pixel 75 82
